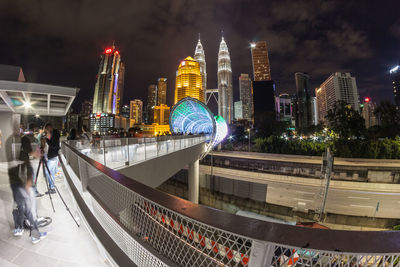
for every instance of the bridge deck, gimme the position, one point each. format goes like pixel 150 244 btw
pixel 65 245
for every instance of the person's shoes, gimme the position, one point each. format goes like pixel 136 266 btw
pixel 42 236
pixel 18 232
pixel 51 191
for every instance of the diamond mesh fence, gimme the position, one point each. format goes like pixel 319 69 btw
pixel 132 220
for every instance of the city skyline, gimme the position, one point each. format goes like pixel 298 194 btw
pixel 312 34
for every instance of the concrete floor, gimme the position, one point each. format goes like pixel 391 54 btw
pixel 65 245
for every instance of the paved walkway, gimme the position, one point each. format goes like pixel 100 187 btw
pixel 65 245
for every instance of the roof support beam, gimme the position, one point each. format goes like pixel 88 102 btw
pixel 68 105
pixel 48 103
pixel 7 100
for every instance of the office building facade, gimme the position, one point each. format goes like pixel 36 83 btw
pixel 239 109
pixel 368 113
pixel 125 111
pixel 161 114
pixel 225 89
pixel 246 96
pixel 314 111
pixel 200 57
pixel 151 102
pixel 189 81
pixel 395 76
pixel 161 91
pixel 136 112
pixel 340 86
pixel 284 109
pixel 264 100
pixel 260 60
pixel 302 107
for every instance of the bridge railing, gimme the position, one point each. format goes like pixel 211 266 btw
pixel 152 228
pixel 121 152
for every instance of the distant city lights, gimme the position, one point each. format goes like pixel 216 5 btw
pixel 394 69
pixel 367 99
pixel 253 45
pixel 108 50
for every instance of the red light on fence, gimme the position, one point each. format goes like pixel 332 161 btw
pixel 108 50
pixel 367 99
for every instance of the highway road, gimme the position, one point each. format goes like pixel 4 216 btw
pixel 348 198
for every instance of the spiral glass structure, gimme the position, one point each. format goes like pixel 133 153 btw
pixel 191 116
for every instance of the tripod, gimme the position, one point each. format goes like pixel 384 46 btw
pixel 43 162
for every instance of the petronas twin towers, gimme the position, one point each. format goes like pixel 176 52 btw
pixel 225 91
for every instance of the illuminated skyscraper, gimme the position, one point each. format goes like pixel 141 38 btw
pixel 259 55
pixel 200 57
pixel 161 91
pixel 136 112
pixel 188 80
pixel 225 91
pixel 161 114
pixel 395 75
pixel 151 102
pixel 109 84
pixel 246 96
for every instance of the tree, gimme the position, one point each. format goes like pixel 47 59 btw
pixel 267 125
pixel 389 119
pixel 345 121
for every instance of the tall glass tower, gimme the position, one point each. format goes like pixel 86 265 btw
pixel 259 56
pixel 395 75
pixel 109 84
pixel 246 96
pixel 225 91
pixel 200 57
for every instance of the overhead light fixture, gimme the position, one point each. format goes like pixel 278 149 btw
pixel 27 104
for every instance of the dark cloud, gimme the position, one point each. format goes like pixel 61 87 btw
pixel 59 42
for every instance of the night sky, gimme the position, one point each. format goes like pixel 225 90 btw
pixel 59 42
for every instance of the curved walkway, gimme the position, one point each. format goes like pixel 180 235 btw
pixel 65 245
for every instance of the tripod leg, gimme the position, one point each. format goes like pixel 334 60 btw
pixel 37 174
pixel 59 194
pixel 43 161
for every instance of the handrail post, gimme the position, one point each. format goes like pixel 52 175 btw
pixel 104 151
pixel 262 253
pixel 127 151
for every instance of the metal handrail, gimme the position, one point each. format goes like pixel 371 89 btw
pixel 332 242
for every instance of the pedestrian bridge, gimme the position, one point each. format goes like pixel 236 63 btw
pixel 139 225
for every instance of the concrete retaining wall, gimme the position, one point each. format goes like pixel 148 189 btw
pixel 357 170
pixel 177 185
